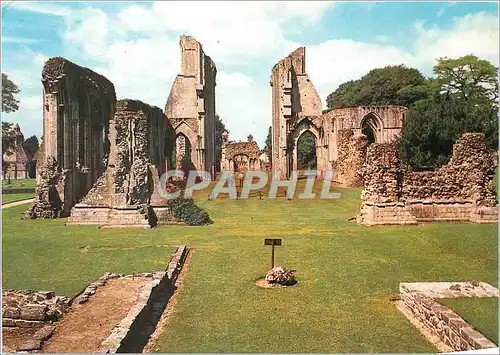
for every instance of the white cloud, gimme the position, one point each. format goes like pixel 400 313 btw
pixel 445 7
pixel 137 49
pixel 19 40
pixel 336 61
pixel 46 8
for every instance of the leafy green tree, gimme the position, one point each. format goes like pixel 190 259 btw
pixel 219 129
pixel 269 143
pixel 306 151
pixel 460 99
pixel 9 90
pixel 31 145
pixel 8 143
pixel 469 77
pixel 382 86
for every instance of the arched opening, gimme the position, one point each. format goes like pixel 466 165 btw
pixel 182 152
pixel 371 127
pixel 241 163
pixel 306 151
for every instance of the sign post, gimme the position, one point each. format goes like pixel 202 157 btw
pixel 272 242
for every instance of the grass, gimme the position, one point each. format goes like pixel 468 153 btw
pixel 7 198
pixel 481 313
pixel 17 184
pixel 347 274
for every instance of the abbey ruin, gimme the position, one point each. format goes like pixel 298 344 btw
pixel 101 160
pixel 341 135
pixel 190 107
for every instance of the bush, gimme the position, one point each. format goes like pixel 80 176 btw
pixel 281 276
pixel 187 211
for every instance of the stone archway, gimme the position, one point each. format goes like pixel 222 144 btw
pixel 188 139
pixel 371 127
pixel 292 152
pixel 306 151
pixel 241 163
pixel 184 149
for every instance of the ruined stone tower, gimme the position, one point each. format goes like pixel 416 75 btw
pixel 294 99
pixel 190 106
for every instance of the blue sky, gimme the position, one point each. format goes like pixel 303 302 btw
pixel 135 44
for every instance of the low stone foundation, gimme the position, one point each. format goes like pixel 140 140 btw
pixel 27 317
pixel 132 334
pixel 440 320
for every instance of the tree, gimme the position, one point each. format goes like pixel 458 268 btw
pixel 458 101
pixel 382 86
pixel 468 77
pixel 31 145
pixel 306 151
pixel 268 149
pixel 8 143
pixel 219 129
pixel 9 89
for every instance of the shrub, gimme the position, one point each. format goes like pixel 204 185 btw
pixel 187 211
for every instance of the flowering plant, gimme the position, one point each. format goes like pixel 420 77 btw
pixel 281 276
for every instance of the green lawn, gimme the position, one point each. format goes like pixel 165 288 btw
pixel 16 184
pixel 347 273
pixel 7 198
pixel 481 313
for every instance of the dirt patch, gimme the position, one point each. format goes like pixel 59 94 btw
pixel 86 326
pixel 264 284
pixel 170 307
pixel 434 340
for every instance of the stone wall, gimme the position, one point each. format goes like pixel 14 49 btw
pixel 296 108
pixel 347 169
pixel 190 105
pixel 462 190
pixel 77 106
pixel 440 320
pixel 294 99
pixel 122 195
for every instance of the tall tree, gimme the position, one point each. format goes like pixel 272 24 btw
pixel 31 145
pixel 219 129
pixel 269 143
pixel 9 90
pixel 381 86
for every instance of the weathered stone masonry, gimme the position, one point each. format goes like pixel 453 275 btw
pixel 240 156
pixel 461 190
pixel 128 191
pixel 340 146
pixel 441 321
pixel 78 104
pixel 190 106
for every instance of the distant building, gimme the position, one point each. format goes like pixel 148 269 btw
pixel 239 156
pixel 19 164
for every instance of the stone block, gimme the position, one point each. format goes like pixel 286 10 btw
pixel 11 312
pixel 30 345
pixel 44 333
pixel 34 312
